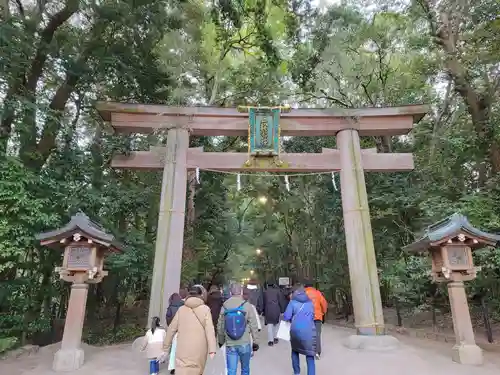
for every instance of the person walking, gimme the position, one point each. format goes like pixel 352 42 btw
pixel 226 294
pixel 247 296
pixel 237 329
pixel 255 296
pixel 273 307
pixel 300 313
pixel 195 334
pixel 174 303
pixel 214 301
pixel 153 342
pixel 320 309
pixel 183 292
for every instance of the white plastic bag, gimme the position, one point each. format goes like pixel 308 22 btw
pixel 218 365
pixel 171 361
pixel 138 344
pixel 284 331
pixel 223 355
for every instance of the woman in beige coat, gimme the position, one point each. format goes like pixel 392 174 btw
pixel 195 334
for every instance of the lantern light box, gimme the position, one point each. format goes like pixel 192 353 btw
pixel 85 245
pixel 450 243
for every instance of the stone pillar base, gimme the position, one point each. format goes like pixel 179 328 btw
pixel 68 359
pixel 372 343
pixel 467 355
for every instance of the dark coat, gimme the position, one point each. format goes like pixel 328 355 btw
pixel 274 305
pixel 256 298
pixel 175 302
pixel 287 295
pixel 214 301
pixel 300 312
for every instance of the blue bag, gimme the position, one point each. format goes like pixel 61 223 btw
pixel 235 321
pixel 154 367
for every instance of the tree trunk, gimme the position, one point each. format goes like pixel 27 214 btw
pixel 116 321
pixel 26 80
pixel 97 159
pixel 477 100
pixel 486 319
pixel 398 312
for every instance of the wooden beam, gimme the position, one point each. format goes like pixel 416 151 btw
pixel 372 150
pixel 212 121
pixel 235 161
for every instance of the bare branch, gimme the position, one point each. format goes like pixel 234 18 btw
pixel 332 99
pixel 46 36
pixel 437 123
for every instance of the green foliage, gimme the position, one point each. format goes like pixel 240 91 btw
pixel 7 343
pixel 124 334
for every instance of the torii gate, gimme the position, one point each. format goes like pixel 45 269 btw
pixel 264 126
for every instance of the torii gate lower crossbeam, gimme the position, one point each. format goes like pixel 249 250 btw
pixel 349 159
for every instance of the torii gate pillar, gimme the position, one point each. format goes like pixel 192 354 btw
pixel 367 304
pixel 170 231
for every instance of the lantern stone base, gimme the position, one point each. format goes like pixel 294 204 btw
pixel 68 359
pixel 467 355
pixel 372 343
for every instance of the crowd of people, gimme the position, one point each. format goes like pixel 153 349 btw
pixel 199 323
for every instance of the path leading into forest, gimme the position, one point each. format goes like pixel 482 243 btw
pixel 415 357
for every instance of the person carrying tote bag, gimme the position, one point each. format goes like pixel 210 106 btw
pixel 300 314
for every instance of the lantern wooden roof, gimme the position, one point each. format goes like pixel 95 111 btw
pixel 80 223
pixel 454 226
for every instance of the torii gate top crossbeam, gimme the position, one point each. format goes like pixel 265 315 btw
pixel 215 121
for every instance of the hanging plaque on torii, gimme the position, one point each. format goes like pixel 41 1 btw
pixel 264 135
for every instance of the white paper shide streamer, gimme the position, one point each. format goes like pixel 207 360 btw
pixel 287 183
pixel 238 182
pixel 333 180
pixel 197 175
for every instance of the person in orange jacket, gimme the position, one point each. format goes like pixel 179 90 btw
pixel 320 308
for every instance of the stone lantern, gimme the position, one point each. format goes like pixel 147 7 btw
pixel 85 244
pixel 450 243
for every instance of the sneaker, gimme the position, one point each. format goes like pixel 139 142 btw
pixel 270 343
pixel 318 357
pixel 276 341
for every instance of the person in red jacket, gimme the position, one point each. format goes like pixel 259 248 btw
pixel 320 308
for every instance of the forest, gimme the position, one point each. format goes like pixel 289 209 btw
pixel 59 57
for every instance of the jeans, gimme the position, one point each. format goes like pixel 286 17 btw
pixel 318 324
pixel 272 331
pixel 311 365
pixel 242 353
